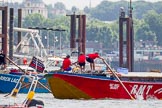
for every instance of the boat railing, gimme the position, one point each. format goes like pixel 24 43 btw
pixel 33 80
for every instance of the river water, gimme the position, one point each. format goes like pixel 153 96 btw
pixel 51 102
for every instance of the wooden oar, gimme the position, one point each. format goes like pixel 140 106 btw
pixel 16 89
pixel 44 87
pixel 118 79
pixel 20 88
pixel 16 65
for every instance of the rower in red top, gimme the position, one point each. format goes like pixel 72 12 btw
pixel 66 64
pixel 91 57
pixel 81 61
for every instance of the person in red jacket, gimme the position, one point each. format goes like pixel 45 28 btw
pixel 81 61
pixel 66 64
pixel 91 57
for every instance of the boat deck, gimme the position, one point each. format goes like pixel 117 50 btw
pixel 143 74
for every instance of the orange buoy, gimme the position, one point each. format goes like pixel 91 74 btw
pixel 24 61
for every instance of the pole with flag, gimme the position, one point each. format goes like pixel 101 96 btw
pixel 37 64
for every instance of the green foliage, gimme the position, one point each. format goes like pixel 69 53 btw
pixel 60 22
pixel 154 20
pixel 144 33
pixel 141 7
pixel 98 28
pixel 59 6
pixel 107 11
pixel 100 32
pixel 34 20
